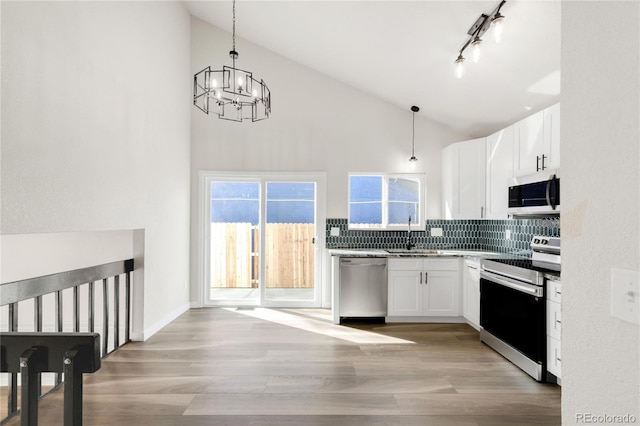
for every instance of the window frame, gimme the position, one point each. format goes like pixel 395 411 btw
pixel 385 226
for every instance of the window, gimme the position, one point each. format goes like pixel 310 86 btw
pixel 385 201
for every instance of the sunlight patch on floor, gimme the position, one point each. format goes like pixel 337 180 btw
pixel 321 327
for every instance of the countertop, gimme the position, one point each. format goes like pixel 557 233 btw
pixel 398 253
pixel 479 254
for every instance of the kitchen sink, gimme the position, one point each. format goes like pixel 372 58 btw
pixel 413 252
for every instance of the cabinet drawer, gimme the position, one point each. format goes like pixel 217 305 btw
pixel 554 320
pixel 554 291
pixel 441 264
pixel 554 357
pixel 406 264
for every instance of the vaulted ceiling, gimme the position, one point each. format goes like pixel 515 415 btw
pixel 403 52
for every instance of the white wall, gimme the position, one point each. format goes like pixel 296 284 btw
pixel 317 124
pixel 601 188
pixel 33 255
pixel 96 131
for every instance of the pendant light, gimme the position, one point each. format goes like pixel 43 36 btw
pixel 413 160
pixel 231 93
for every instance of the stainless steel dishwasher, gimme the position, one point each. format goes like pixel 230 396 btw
pixel 363 287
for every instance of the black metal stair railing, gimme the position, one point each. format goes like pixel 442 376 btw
pixel 31 354
pixel 13 293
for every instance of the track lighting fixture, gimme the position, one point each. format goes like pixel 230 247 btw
pixel 480 26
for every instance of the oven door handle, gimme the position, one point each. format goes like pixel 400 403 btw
pixel 530 289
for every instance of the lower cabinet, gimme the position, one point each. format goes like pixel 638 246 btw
pixel 423 287
pixel 554 328
pixel 471 292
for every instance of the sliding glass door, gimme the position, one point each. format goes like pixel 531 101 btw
pixel 234 236
pixel 262 245
pixel 290 231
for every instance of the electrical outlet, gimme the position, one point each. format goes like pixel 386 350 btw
pixel 335 232
pixel 625 295
pixel 436 232
pixel 507 234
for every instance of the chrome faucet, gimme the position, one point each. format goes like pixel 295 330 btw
pixel 410 243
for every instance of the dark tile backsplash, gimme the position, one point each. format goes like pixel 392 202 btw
pixel 456 234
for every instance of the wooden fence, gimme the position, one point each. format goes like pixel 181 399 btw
pixel 290 257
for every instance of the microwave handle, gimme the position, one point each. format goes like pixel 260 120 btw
pixel 551 181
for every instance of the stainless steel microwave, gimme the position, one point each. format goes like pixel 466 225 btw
pixel 535 194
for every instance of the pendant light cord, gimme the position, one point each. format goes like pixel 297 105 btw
pixel 234 25
pixel 413 136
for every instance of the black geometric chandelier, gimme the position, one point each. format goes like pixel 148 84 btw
pixel 231 93
pixel 480 26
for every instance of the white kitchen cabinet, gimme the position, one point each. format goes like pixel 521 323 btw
pixel 537 142
pixel 450 195
pixel 552 136
pixel 423 287
pixel 463 179
pixel 471 292
pixel 554 328
pixel 529 144
pixel 499 171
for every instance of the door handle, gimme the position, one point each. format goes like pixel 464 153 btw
pixel 420 277
pixel 552 181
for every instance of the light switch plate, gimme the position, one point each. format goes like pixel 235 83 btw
pixel 625 295
pixel 436 232
pixel 335 232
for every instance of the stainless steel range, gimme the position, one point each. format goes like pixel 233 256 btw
pixel 513 307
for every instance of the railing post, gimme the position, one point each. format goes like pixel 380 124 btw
pixel 76 309
pixel 127 336
pixel 59 325
pixel 72 390
pixel 116 312
pixel 12 397
pixel 105 318
pixel 30 374
pixel 92 320
pixel 37 314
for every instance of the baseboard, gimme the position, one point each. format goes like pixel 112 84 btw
pixel 426 319
pixel 150 331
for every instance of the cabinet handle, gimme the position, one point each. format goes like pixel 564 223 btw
pixel 558 321
pixel 537 163
pixel 426 278
pixel 481 212
pixel 420 277
pixel 471 267
pixel 543 157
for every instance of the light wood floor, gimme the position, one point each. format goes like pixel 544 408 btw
pixel 293 367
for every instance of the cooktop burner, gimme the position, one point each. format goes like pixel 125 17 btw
pixel 526 263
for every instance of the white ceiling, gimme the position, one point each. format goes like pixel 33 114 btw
pixel 403 52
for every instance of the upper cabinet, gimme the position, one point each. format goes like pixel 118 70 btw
pixel 552 136
pixel 499 171
pixel 476 173
pixel 463 180
pixel 537 142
